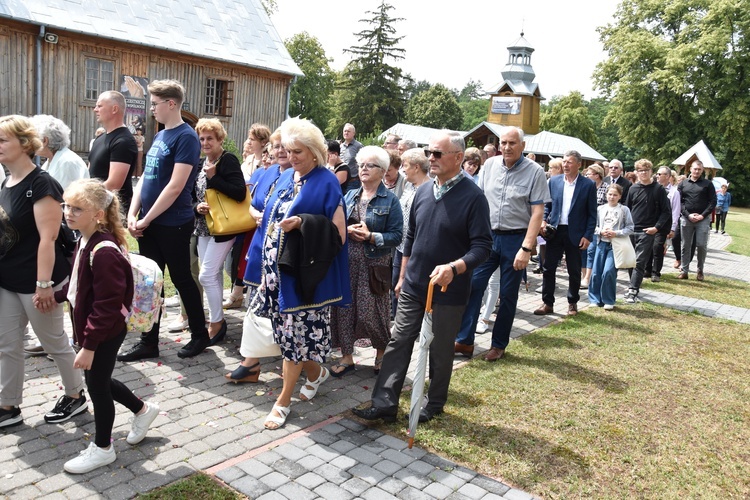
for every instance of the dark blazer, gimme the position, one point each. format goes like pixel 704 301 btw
pixel 582 215
pixel 622 182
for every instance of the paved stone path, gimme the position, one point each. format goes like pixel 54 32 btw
pixel 208 424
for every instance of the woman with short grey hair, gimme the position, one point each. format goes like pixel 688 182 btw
pixel 62 164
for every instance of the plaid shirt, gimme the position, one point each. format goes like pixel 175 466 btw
pixel 440 191
pixel 601 194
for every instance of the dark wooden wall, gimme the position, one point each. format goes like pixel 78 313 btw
pixel 259 96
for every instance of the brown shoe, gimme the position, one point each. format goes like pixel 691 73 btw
pixel 572 309
pixel 545 309
pixel 682 276
pixel 494 354
pixel 463 349
pixel 699 276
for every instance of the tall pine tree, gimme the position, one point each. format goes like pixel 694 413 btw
pixel 369 92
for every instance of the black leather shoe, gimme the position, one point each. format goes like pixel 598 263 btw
pixel 373 413
pixel 139 351
pixel 194 347
pixel 428 413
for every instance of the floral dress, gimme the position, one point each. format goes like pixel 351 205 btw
pixel 304 335
pixel 369 315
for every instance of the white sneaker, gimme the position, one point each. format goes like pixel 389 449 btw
pixel 91 458
pixel 141 423
pixel 608 307
pixel 482 327
pixel 177 325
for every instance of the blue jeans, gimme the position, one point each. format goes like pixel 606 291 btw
pixel 603 284
pixel 504 250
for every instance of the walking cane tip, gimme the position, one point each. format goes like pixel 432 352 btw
pixel 411 442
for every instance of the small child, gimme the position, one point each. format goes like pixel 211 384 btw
pixel 100 293
pixel 612 221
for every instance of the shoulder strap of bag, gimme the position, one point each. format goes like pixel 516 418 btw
pixel 101 244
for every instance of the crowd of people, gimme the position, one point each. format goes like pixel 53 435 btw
pixel 347 241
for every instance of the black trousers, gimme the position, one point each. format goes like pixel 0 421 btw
pixel 104 390
pixel 555 248
pixel 169 246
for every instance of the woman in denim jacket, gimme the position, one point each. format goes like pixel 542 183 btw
pixel 375 227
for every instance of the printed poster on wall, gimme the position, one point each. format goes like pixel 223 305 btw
pixel 135 90
pixel 506 105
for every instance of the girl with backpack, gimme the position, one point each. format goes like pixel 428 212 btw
pixel 100 293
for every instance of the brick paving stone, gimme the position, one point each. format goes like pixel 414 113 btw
pixel 310 480
pixel 411 493
pixel 255 468
pixel 387 467
pixel 343 446
pixel 310 462
pixel 290 451
pixel 323 452
pixel 363 456
pixel 250 487
pixel 366 473
pixel 272 495
pixel 490 485
pixel 356 486
pixel 332 474
pixel 376 493
pixel 268 457
pixel 343 462
pixel 289 468
pixel 444 477
pixel 439 462
pixel 27 492
pixel 438 490
pixel 296 492
pixel 412 478
pixel 320 436
pixel 274 480
pixel 392 485
pixel 421 467
pixel 330 491
pixel 392 442
pixel 230 474
pixel 396 456
pixel 206 460
pixel 471 491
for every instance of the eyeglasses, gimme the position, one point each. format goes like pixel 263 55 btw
pixel 437 154
pixel 643 171
pixel 613 167
pixel 368 166
pixel 663 173
pixel 74 211
pixel 154 104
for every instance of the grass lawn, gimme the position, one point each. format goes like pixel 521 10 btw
pixel 196 487
pixel 721 290
pixel 642 402
pixel 738 227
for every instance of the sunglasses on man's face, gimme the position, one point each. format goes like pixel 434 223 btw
pixel 437 154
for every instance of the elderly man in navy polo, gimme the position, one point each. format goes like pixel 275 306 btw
pixel 516 190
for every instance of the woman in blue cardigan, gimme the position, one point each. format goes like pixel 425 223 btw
pixel 301 313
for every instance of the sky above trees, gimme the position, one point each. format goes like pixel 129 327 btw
pixel 468 42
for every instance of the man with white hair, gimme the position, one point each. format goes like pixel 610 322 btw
pixel 616 171
pixel 349 149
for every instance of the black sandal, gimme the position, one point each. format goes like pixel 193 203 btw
pixel 244 374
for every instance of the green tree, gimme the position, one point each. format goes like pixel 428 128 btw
pixel 472 91
pixel 310 95
pixel 678 71
pixel 370 92
pixel 569 115
pixel 474 112
pixel 436 108
pixel 413 87
pixel 609 143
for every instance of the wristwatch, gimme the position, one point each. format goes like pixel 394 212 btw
pixel 527 250
pixel 453 268
pixel 45 284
